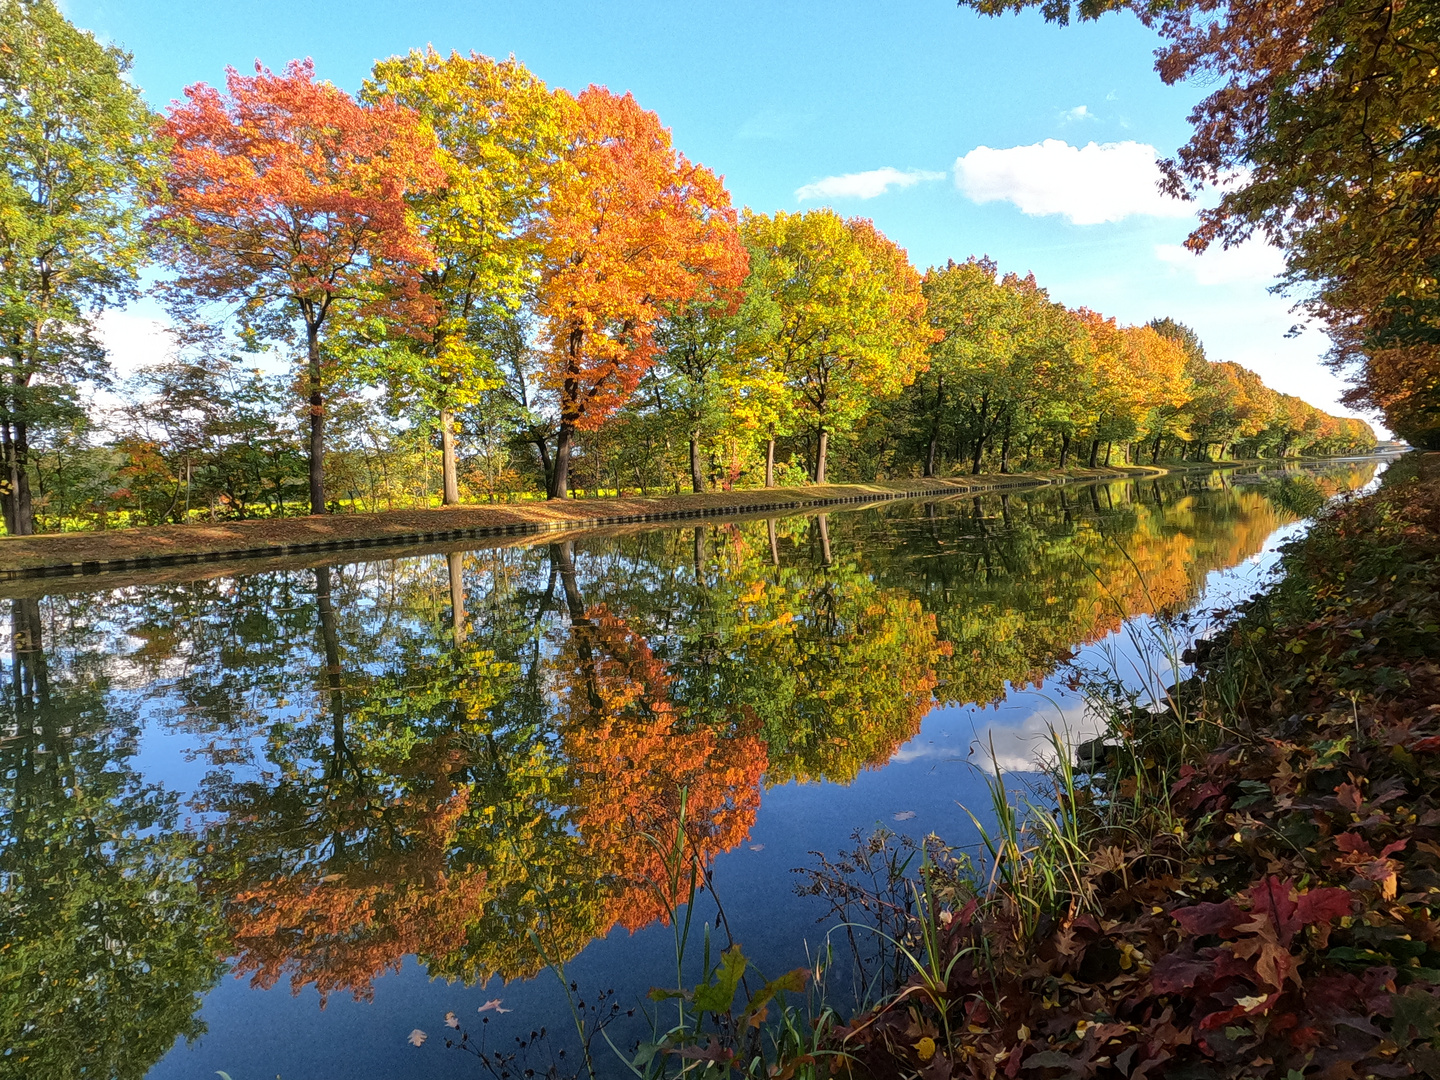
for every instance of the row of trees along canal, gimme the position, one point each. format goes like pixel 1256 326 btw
pixel 486 286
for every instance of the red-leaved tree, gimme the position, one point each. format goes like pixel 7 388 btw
pixel 286 197
pixel 633 228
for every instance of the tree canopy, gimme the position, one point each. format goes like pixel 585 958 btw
pixel 287 198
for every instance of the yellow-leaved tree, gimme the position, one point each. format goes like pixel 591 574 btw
pixel 850 326
pixel 501 132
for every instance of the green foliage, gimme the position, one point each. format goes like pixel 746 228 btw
pixel 1005 366
pixel 77 151
pixel 207 435
pixel 848 327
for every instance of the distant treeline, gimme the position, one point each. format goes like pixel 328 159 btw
pixel 481 287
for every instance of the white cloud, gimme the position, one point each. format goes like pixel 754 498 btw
pixel 1089 185
pixel 865 185
pixel 1252 263
pixel 132 340
pixel 1078 113
pixel 1017 732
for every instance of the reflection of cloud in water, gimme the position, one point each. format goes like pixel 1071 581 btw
pixel 1017 731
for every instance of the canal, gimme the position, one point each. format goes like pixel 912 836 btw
pixel 270 824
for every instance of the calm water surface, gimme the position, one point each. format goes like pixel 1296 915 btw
pixel 270 823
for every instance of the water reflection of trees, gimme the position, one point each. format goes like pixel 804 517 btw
pixel 462 758
pixel 108 944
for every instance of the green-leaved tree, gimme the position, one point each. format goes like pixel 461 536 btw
pixel 77 149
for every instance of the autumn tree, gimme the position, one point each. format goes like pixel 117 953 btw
pixel 1128 372
pixel 342 857
pixel 501 135
pixel 1167 421
pixel 286 197
pixel 634 229
pixel 757 401
pixel 76 152
pixel 640 769
pixel 1222 408
pixel 851 321
pixel 332 880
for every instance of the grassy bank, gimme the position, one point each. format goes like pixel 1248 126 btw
pixel 1243 882
pixel 171 545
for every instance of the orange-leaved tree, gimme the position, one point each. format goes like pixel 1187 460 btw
pixel 642 770
pixel 635 230
pixel 286 197
pixel 333 881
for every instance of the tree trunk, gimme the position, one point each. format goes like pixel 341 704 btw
pixel 697 478
pixel 934 448
pixel 19 510
pixel 546 465
pixel 770 462
pixel 560 478
pixel 980 439
pixel 455 564
pixel 563 556
pixel 821 451
pixel 450 484
pixel 1108 447
pixel 1005 448
pixel 29 674
pixel 1155 453
pixel 317 422
pixel 331 641
pixel 824 538
pixel 1094 452
pixel 774 542
pixel 1064 449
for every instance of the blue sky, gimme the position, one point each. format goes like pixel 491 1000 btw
pixel 803 104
